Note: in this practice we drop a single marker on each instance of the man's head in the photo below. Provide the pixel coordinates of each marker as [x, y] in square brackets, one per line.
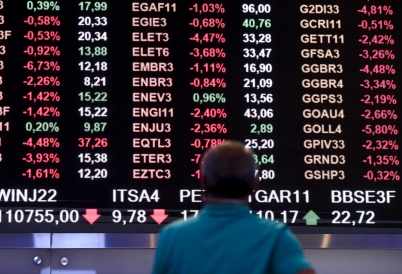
[228, 171]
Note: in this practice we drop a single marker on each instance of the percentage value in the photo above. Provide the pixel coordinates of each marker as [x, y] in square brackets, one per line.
[42, 142]
[43, 21]
[372, 10]
[43, 5]
[43, 96]
[209, 68]
[208, 38]
[383, 99]
[382, 175]
[381, 145]
[43, 36]
[377, 40]
[378, 84]
[206, 143]
[42, 127]
[52, 158]
[208, 83]
[382, 160]
[380, 114]
[208, 23]
[42, 65]
[40, 173]
[209, 113]
[208, 53]
[377, 54]
[209, 128]
[376, 24]
[380, 129]
[379, 69]
[209, 98]
[43, 51]
[43, 112]
[42, 81]
[208, 8]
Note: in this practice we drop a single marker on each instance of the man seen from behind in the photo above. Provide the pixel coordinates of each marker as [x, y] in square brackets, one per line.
[225, 238]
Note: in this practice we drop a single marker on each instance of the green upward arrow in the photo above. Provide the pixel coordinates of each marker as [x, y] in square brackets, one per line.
[311, 218]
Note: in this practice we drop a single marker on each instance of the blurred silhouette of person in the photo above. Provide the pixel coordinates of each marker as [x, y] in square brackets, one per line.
[225, 238]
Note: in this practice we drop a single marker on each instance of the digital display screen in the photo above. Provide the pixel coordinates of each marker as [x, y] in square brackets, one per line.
[107, 106]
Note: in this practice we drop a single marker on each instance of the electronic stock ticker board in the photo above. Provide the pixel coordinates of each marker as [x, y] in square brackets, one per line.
[107, 106]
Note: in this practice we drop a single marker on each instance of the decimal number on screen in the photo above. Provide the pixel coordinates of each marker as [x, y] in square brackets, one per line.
[287, 216]
[256, 9]
[257, 39]
[135, 216]
[40, 216]
[261, 98]
[92, 22]
[92, 174]
[92, 142]
[259, 144]
[93, 112]
[257, 83]
[92, 97]
[257, 53]
[359, 217]
[95, 158]
[92, 67]
[265, 174]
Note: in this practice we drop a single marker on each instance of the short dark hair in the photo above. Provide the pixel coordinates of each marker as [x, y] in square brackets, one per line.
[229, 170]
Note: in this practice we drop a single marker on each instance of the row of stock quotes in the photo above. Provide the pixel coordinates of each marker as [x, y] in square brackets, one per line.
[107, 106]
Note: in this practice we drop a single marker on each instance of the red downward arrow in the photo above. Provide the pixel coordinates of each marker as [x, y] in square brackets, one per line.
[91, 215]
[159, 215]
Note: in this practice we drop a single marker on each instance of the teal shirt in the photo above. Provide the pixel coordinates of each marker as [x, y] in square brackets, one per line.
[227, 239]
